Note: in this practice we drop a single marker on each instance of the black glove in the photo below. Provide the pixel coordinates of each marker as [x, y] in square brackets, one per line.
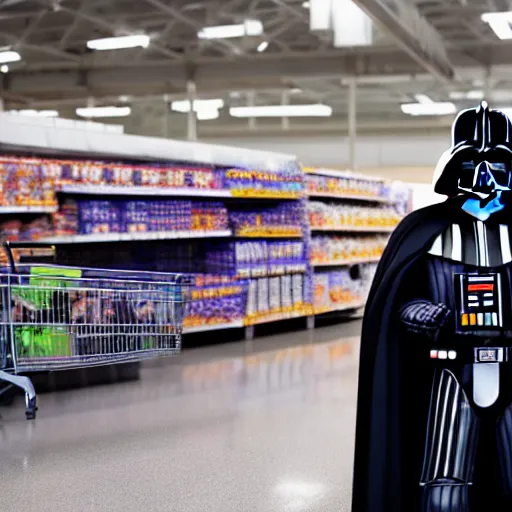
[422, 317]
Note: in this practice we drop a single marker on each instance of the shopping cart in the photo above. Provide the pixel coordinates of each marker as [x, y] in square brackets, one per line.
[56, 317]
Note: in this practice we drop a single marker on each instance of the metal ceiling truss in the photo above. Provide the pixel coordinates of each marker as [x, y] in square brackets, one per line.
[426, 39]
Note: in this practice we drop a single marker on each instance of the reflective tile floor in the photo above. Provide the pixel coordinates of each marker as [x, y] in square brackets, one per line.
[257, 426]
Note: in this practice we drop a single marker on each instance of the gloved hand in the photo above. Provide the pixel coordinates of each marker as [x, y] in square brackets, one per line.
[424, 318]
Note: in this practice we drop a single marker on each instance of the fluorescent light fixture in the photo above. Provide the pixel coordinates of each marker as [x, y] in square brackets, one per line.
[199, 105]
[262, 46]
[469, 95]
[4, 68]
[306, 5]
[207, 114]
[422, 98]
[90, 112]
[247, 28]
[440, 108]
[34, 113]
[117, 43]
[295, 90]
[124, 98]
[316, 110]
[500, 23]
[9, 56]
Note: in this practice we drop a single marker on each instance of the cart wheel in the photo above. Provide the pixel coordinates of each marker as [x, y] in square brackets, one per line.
[30, 407]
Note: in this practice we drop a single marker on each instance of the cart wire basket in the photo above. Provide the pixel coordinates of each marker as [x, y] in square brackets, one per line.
[56, 317]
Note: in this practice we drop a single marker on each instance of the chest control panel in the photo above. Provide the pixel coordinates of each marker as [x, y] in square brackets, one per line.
[479, 303]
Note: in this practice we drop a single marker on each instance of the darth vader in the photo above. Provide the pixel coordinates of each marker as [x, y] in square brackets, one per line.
[434, 422]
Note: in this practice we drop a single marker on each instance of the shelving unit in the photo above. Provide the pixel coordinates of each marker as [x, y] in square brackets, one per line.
[100, 144]
[336, 287]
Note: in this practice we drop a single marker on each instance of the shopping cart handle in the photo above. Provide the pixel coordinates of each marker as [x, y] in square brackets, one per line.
[9, 246]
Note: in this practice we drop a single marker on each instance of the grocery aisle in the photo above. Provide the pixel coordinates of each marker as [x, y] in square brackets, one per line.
[255, 426]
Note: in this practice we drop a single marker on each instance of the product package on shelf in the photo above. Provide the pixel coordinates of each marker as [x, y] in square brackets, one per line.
[140, 175]
[338, 216]
[347, 185]
[215, 300]
[256, 258]
[286, 184]
[283, 220]
[276, 298]
[27, 182]
[346, 249]
[338, 290]
[85, 216]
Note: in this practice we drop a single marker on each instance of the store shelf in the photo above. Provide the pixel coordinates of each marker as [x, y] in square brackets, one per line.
[333, 173]
[268, 235]
[275, 318]
[27, 209]
[355, 229]
[344, 263]
[213, 327]
[344, 307]
[355, 197]
[130, 237]
[119, 190]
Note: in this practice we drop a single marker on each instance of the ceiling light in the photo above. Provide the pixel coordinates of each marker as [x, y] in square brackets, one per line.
[124, 98]
[117, 43]
[500, 23]
[295, 90]
[306, 5]
[422, 98]
[207, 114]
[199, 105]
[90, 112]
[247, 28]
[316, 110]
[469, 95]
[262, 46]
[34, 113]
[440, 108]
[9, 56]
[4, 68]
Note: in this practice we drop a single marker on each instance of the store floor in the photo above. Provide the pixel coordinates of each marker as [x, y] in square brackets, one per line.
[261, 426]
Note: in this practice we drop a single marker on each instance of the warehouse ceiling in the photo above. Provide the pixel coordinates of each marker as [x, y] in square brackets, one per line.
[439, 48]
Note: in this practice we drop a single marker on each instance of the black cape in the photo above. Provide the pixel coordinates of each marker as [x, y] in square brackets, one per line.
[391, 408]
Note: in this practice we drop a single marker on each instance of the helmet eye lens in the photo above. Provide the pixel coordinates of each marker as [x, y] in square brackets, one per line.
[467, 175]
[500, 173]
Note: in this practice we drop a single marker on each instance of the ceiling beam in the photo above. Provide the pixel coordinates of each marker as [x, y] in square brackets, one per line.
[413, 33]
[111, 29]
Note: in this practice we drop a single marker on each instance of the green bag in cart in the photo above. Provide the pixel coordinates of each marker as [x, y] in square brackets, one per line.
[46, 340]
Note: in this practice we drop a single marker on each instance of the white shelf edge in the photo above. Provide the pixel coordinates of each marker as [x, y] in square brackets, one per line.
[28, 209]
[341, 197]
[142, 191]
[355, 229]
[216, 327]
[346, 262]
[333, 173]
[345, 307]
[129, 237]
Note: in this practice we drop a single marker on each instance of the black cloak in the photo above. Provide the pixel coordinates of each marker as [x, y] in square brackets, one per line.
[394, 389]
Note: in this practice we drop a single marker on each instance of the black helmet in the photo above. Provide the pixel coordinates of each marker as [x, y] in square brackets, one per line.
[480, 159]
